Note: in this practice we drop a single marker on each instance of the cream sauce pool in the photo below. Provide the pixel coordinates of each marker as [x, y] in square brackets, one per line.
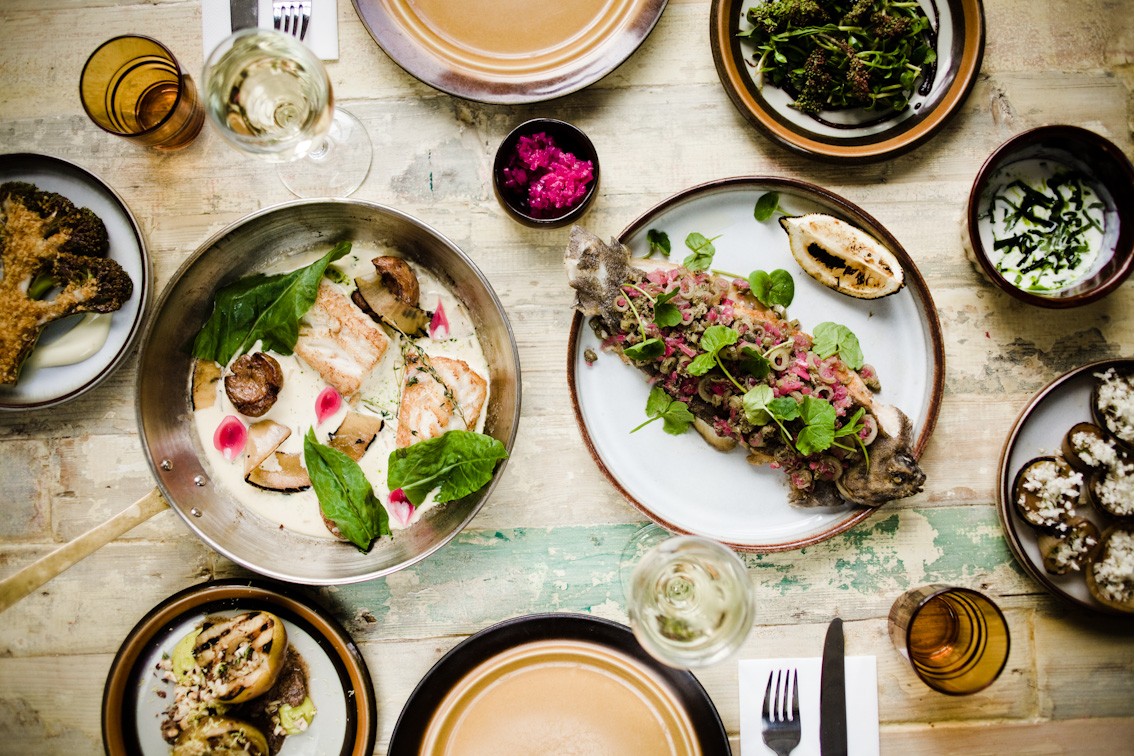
[379, 395]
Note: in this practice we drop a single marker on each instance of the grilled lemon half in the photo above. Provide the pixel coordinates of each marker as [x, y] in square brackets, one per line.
[843, 257]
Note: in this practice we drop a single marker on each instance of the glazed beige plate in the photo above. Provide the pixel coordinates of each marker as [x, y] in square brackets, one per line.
[856, 135]
[509, 51]
[338, 679]
[680, 482]
[1038, 431]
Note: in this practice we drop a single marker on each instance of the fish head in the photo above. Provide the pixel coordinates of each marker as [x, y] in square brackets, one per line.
[892, 472]
[597, 271]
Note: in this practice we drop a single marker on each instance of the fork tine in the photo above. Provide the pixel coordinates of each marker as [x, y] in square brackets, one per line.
[769, 712]
[305, 13]
[794, 695]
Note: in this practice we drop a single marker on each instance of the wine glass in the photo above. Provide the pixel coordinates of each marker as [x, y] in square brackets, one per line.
[690, 600]
[269, 95]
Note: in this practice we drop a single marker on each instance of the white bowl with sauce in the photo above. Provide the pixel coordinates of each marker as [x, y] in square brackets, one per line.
[1068, 167]
[185, 475]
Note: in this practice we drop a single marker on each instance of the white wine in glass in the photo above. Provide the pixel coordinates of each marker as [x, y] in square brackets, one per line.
[689, 599]
[270, 96]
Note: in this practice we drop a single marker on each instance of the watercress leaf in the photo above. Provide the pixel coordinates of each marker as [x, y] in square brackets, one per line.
[459, 462]
[650, 349]
[852, 425]
[850, 351]
[659, 242]
[260, 307]
[345, 495]
[701, 364]
[813, 410]
[666, 315]
[703, 251]
[717, 337]
[814, 438]
[766, 206]
[781, 289]
[677, 418]
[754, 363]
[755, 403]
[657, 402]
[760, 282]
[829, 338]
[784, 408]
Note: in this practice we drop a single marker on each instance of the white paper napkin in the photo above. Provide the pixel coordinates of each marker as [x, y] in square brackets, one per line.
[862, 704]
[322, 35]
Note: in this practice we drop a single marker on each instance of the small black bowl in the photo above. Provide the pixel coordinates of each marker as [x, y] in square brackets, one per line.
[1111, 175]
[569, 139]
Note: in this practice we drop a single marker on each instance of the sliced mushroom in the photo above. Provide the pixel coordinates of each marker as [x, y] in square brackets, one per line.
[1045, 492]
[1109, 577]
[381, 303]
[254, 384]
[354, 436]
[206, 373]
[1088, 448]
[286, 474]
[1068, 551]
[714, 439]
[264, 438]
[399, 278]
[1106, 490]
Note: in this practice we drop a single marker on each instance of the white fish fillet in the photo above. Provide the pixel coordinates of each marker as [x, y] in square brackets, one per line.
[438, 394]
[339, 341]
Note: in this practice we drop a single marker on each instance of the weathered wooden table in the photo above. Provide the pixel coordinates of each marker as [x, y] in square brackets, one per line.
[549, 538]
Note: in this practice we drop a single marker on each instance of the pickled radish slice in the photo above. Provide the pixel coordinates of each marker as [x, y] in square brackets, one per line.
[439, 321]
[230, 437]
[400, 507]
[327, 403]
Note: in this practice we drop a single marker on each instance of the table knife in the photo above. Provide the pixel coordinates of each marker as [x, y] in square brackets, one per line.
[243, 14]
[833, 694]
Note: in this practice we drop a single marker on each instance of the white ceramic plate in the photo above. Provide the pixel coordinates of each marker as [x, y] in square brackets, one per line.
[679, 481]
[1038, 432]
[47, 387]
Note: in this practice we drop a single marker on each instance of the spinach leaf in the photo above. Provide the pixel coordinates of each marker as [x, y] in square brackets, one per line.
[703, 251]
[261, 307]
[345, 495]
[675, 415]
[829, 338]
[766, 206]
[460, 462]
[650, 349]
[713, 340]
[659, 242]
[775, 288]
[666, 314]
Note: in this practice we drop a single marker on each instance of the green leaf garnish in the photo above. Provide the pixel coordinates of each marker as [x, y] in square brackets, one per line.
[775, 288]
[754, 363]
[713, 340]
[829, 338]
[766, 206]
[756, 402]
[703, 252]
[264, 308]
[459, 462]
[650, 349]
[659, 242]
[818, 426]
[675, 415]
[665, 314]
[345, 495]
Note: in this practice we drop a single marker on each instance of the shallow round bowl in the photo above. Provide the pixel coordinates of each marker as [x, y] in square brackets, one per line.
[1106, 170]
[163, 398]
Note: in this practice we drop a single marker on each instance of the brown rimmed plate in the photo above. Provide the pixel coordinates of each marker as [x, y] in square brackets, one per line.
[852, 136]
[1038, 431]
[42, 387]
[338, 680]
[680, 482]
[509, 51]
[549, 683]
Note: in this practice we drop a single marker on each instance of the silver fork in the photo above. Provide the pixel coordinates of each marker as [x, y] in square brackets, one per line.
[292, 16]
[781, 728]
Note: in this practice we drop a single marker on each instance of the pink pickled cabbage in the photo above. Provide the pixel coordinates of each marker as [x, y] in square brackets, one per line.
[547, 180]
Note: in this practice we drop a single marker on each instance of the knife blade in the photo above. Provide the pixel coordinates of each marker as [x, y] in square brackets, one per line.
[243, 14]
[833, 694]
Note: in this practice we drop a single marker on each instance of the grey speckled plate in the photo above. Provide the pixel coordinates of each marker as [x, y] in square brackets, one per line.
[47, 387]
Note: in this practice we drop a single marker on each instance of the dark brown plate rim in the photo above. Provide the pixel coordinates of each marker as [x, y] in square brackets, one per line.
[1007, 516]
[969, 32]
[415, 716]
[557, 82]
[914, 280]
[119, 730]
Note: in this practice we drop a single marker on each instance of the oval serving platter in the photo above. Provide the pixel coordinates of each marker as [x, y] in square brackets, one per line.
[549, 683]
[1038, 431]
[857, 135]
[680, 482]
[509, 52]
[41, 387]
[338, 680]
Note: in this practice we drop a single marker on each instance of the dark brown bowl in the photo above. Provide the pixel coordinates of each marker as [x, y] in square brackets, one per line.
[1106, 167]
[569, 139]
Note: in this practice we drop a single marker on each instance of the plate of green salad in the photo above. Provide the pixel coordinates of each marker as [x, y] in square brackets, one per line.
[848, 81]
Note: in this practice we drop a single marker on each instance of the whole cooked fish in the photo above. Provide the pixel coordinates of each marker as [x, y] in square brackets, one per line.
[619, 293]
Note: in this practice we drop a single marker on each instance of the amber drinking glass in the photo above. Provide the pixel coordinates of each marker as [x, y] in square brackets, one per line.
[955, 638]
[133, 87]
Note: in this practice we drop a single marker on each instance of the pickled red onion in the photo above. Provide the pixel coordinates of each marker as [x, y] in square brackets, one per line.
[327, 403]
[439, 321]
[230, 437]
[400, 507]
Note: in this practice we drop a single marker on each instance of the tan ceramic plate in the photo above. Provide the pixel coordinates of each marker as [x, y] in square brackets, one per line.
[546, 685]
[1038, 432]
[509, 51]
[682, 483]
[852, 136]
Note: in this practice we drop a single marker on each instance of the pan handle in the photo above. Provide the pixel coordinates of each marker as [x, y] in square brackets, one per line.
[15, 587]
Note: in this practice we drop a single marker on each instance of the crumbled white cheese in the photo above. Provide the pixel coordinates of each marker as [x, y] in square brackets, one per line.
[1070, 551]
[1055, 492]
[1116, 403]
[1114, 573]
[1115, 491]
[1094, 450]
